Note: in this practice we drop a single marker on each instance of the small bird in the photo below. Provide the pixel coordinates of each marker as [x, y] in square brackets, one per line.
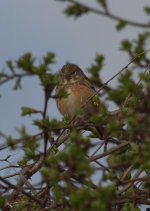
[79, 100]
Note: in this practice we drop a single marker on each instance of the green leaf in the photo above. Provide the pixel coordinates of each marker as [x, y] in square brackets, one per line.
[49, 58]
[9, 64]
[26, 62]
[147, 10]
[121, 25]
[62, 93]
[76, 10]
[28, 111]
[50, 124]
[17, 84]
[102, 3]
[95, 68]
[130, 207]
[94, 200]
[46, 80]
[22, 162]
[11, 142]
[126, 45]
[2, 202]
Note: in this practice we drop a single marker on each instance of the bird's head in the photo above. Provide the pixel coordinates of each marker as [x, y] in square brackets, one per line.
[70, 73]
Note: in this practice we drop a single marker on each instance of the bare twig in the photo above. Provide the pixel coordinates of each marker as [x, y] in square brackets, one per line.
[22, 191]
[108, 14]
[13, 76]
[99, 147]
[111, 150]
[10, 166]
[11, 175]
[137, 174]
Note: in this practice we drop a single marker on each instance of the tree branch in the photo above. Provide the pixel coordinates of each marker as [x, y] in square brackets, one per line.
[13, 76]
[110, 15]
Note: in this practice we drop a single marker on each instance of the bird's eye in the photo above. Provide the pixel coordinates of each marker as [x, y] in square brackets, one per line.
[74, 72]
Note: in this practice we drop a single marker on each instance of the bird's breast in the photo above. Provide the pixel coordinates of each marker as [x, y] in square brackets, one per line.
[77, 97]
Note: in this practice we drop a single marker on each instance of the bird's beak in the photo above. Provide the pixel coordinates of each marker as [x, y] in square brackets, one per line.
[67, 76]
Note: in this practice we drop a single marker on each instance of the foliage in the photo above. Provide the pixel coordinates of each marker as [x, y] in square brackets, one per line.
[78, 171]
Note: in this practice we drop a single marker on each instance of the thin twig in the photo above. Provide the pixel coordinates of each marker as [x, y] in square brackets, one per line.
[11, 77]
[99, 147]
[111, 150]
[10, 166]
[137, 174]
[22, 191]
[110, 15]
[11, 175]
